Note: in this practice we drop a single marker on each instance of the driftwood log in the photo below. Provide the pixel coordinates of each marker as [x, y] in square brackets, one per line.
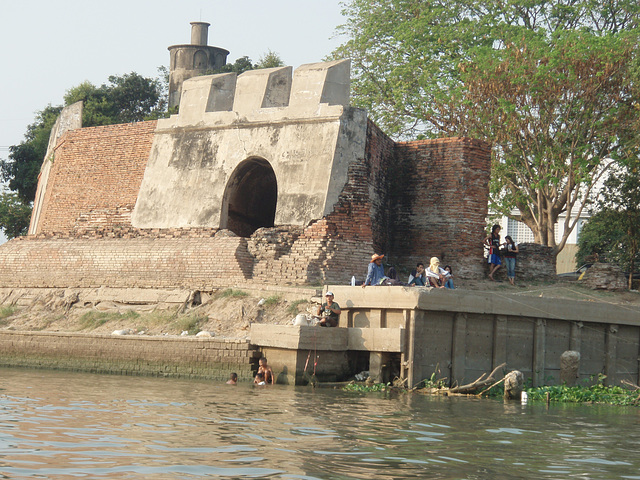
[481, 382]
[634, 388]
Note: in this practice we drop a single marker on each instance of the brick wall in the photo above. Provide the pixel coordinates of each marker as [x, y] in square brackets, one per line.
[95, 177]
[409, 201]
[439, 192]
[130, 355]
[198, 263]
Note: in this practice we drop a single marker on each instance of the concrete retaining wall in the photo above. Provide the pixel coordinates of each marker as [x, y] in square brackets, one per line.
[463, 334]
[207, 358]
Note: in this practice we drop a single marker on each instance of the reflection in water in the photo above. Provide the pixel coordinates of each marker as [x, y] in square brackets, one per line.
[62, 425]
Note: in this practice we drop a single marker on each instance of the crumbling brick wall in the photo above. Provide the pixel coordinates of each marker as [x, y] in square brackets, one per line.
[408, 201]
[439, 194]
[95, 177]
[158, 260]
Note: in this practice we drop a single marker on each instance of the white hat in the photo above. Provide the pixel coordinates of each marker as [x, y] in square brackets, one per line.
[328, 293]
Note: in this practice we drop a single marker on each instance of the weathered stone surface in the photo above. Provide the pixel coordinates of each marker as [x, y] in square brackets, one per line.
[569, 367]
[513, 382]
[605, 276]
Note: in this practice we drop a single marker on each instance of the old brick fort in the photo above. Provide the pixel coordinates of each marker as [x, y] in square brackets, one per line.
[268, 176]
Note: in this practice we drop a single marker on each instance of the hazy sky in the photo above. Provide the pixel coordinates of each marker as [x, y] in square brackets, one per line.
[48, 47]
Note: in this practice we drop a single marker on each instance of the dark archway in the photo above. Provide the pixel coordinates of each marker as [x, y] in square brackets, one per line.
[250, 198]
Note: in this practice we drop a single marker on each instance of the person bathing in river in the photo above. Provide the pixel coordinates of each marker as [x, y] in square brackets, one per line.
[266, 371]
[493, 242]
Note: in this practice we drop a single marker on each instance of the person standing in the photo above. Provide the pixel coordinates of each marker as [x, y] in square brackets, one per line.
[493, 242]
[510, 253]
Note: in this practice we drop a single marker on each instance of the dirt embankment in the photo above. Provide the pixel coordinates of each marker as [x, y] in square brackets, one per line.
[228, 313]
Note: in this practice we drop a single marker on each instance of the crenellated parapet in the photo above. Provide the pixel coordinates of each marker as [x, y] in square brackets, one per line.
[267, 147]
[315, 89]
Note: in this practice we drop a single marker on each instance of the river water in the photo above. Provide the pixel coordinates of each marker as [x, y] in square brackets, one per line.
[61, 425]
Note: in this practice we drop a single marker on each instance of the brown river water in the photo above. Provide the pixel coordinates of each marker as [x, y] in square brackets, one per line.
[60, 425]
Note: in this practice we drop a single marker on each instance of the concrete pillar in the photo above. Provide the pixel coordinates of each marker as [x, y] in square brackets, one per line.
[611, 354]
[539, 335]
[459, 348]
[379, 367]
[569, 367]
[576, 336]
[199, 33]
[499, 340]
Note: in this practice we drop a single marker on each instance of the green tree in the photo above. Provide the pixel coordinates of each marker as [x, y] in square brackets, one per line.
[22, 167]
[14, 215]
[614, 232]
[240, 66]
[126, 98]
[551, 84]
[269, 60]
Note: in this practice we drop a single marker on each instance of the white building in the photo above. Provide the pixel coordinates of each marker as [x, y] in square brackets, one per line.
[565, 261]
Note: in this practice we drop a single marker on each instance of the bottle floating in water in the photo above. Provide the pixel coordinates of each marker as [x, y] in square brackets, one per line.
[524, 398]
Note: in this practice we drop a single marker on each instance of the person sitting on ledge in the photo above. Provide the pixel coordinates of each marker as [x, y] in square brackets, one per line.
[417, 277]
[436, 274]
[375, 271]
[329, 312]
[448, 278]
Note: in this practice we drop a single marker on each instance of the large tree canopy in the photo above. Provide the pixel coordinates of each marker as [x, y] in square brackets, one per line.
[613, 233]
[126, 98]
[551, 84]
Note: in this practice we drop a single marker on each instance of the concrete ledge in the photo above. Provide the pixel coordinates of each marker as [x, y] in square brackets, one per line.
[376, 339]
[299, 337]
[493, 303]
[330, 339]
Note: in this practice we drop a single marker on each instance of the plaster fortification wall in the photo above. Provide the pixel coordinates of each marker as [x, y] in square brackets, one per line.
[254, 150]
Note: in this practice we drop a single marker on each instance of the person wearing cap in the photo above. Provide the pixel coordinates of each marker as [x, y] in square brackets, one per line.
[329, 312]
[375, 271]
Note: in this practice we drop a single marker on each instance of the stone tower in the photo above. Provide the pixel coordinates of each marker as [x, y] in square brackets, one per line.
[188, 61]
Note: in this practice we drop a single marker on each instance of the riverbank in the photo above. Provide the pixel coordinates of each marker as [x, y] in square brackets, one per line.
[229, 313]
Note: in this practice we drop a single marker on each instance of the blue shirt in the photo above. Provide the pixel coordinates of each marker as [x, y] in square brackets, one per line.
[375, 273]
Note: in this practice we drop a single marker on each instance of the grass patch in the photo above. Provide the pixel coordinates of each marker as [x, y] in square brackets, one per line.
[293, 308]
[272, 300]
[93, 320]
[7, 312]
[190, 323]
[231, 293]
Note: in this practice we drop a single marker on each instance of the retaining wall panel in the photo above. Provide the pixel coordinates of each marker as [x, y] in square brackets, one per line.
[479, 346]
[520, 345]
[592, 351]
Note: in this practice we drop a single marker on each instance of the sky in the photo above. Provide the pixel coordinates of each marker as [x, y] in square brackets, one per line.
[49, 47]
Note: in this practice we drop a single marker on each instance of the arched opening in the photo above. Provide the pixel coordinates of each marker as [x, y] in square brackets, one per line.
[200, 60]
[250, 198]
